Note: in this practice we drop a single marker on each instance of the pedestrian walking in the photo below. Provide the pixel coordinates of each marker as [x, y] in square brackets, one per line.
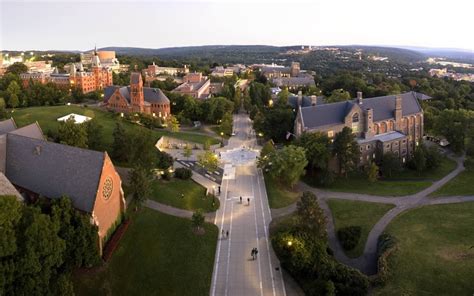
[223, 232]
[227, 233]
[256, 252]
[253, 254]
[241, 199]
[248, 201]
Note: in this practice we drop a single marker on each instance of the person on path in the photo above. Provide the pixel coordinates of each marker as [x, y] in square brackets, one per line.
[227, 233]
[253, 254]
[256, 252]
[223, 232]
[248, 201]
[241, 199]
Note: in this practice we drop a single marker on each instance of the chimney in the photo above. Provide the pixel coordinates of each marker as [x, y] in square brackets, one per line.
[314, 100]
[300, 98]
[359, 97]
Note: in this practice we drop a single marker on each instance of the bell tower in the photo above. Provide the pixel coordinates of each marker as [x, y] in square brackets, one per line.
[137, 99]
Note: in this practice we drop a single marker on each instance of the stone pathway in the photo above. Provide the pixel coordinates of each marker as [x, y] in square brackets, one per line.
[210, 217]
[367, 263]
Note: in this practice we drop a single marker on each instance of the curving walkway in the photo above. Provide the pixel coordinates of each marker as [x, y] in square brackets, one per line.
[367, 263]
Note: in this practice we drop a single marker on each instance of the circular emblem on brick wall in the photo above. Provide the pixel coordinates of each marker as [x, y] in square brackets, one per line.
[108, 188]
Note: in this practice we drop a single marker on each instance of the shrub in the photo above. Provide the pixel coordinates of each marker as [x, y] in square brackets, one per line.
[183, 173]
[349, 236]
[433, 158]
[386, 245]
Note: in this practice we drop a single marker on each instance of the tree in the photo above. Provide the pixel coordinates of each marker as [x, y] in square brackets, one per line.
[310, 215]
[419, 159]
[173, 124]
[283, 97]
[346, 150]
[274, 122]
[13, 92]
[226, 124]
[72, 134]
[94, 134]
[140, 184]
[3, 112]
[17, 68]
[78, 233]
[338, 95]
[267, 149]
[372, 172]
[287, 165]
[317, 148]
[208, 160]
[390, 164]
[141, 149]
[119, 146]
[198, 220]
[454, 125]
[187, 151]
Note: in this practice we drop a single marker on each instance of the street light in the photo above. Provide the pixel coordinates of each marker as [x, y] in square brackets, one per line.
[222, 136]
[290, 243]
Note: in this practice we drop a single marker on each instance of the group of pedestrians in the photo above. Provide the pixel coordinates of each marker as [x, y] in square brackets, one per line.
[254, 253]
[248, 200]
[225, 233]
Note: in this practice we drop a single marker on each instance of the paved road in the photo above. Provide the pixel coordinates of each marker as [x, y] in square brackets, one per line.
[235, 273]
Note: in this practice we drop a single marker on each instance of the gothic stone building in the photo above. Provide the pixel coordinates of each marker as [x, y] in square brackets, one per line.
[136, 98]
[37, 167]
[390, 123]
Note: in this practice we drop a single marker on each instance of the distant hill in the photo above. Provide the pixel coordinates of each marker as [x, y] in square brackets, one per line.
[455, 54]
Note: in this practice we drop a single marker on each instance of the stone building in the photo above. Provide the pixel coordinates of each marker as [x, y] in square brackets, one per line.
[37, 167]
[291, 77]
[381, 124]
[137, 98]
[195, 85]
[96, 79]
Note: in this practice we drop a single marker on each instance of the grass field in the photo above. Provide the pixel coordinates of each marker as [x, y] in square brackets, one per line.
[462, 184]
[159, 255]
[47, 118]
[357, 213]
[169, 193]
[435, 255]
[404, 183]
[278, 195]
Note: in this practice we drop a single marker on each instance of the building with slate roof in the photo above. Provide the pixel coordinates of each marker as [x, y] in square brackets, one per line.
[37, 167]
[195, 85]
[389, 123]
[136, 98]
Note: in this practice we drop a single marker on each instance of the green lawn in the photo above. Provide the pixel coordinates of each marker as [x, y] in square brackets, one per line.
[462, 184]
[47, 118]
[404, 183]
[159, 255]
[169, 192]
[435, 255]
[278, 195]
[357, 213]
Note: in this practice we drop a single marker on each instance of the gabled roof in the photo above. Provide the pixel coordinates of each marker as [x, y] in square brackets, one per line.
[32, 131]
[383, 109]
[151, 95]
[53, 170]
[6, 188]
[7, 126]
[306, 101]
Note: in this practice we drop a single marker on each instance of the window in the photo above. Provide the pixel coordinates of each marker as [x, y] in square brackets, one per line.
[355, 117]
[330, 134]
[368, 147]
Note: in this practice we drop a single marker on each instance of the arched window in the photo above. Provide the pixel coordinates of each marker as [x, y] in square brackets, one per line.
[355, 117]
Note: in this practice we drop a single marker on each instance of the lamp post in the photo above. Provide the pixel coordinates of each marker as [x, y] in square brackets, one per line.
[222, 137]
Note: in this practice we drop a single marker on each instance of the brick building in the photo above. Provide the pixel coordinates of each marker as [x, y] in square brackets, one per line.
[37, 167]
[195, 85]
[381, 124]
[136, 98]
[96, 79]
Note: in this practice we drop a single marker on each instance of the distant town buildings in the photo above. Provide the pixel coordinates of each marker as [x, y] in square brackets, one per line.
[291, 77]
[96, 79]
[391, 123]
[229, 71]
[451, 74]
[38, 168]
[155, 70]
[137, 98]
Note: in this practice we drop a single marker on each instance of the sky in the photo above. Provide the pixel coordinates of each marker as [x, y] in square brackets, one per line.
[73, 25]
